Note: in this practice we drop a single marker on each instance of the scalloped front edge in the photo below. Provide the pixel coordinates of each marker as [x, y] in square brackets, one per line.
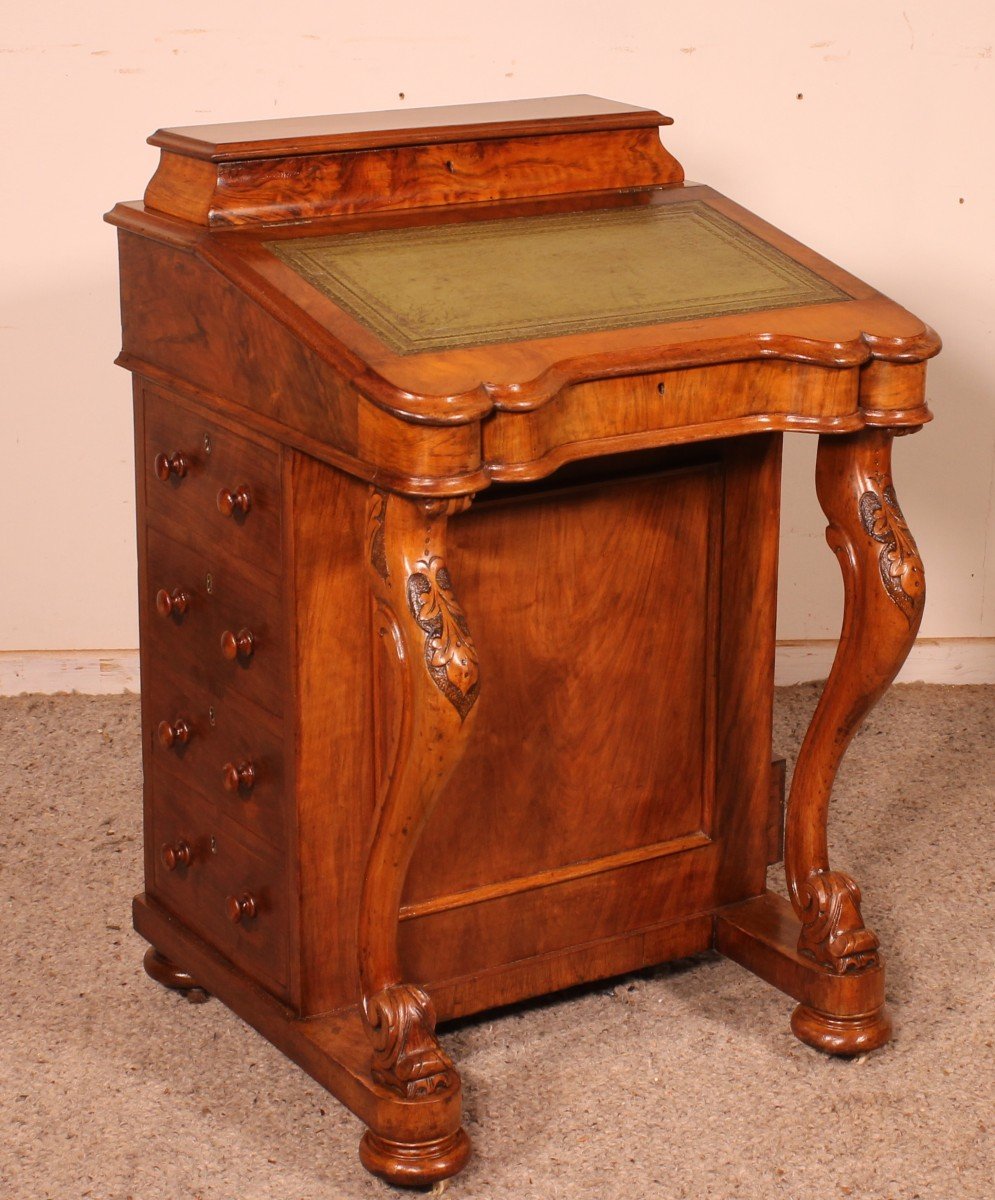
[477, 403]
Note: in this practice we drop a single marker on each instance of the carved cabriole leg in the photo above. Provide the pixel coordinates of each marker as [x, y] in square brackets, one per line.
[884, 591]
[416, 612]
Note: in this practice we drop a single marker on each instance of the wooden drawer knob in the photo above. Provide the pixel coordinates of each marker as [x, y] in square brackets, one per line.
[171, 464]
[231, 502]
[176, 733]
[175, 602]
[180, 855]
[239, 907]
[242, 776]
[238, 645]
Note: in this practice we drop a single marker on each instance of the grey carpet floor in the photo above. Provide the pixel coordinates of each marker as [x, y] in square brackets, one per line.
[680, 1082]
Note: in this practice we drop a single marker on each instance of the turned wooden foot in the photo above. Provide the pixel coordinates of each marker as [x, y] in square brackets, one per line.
[414, 1164]
[844, 1035]
[163, 971]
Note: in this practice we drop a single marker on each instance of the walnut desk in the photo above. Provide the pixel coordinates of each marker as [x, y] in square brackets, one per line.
[458, 438]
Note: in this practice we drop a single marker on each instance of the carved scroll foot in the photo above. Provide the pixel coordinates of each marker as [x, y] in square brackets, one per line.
[833, 932]
[843, 1035]
[168, 974]
[414, 1164]
[884, 593]
[406, 1056]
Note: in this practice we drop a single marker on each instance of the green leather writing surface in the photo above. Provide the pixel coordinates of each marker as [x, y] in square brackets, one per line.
[480, 282]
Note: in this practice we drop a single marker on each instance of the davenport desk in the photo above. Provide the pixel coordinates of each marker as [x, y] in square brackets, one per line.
[458, 452]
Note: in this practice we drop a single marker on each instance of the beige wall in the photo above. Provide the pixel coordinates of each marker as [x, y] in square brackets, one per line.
[864, 128]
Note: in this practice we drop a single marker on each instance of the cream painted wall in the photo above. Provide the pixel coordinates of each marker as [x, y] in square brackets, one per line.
[865, 129]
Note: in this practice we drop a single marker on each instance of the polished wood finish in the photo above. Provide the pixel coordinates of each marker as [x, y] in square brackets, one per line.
[180, 855]
[839, 1014]
[458, 665]
[274, 171]
[168, 974]
[405, 127]
[241, 777]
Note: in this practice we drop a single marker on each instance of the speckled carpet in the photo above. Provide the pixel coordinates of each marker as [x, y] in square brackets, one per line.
[680, 1082]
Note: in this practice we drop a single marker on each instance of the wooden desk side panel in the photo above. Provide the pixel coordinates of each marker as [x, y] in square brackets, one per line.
[750, 543]
[184, 323]
[184, 318]
[332, 697]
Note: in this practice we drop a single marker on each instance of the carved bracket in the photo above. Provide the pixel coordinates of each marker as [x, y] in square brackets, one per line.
[376, 519]
[406, 1056]
[436, 687]
[899, 562]
[833, 932]
[450, 655]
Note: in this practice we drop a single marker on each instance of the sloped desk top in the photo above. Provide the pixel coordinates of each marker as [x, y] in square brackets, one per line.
[470, 273]
[449, 286]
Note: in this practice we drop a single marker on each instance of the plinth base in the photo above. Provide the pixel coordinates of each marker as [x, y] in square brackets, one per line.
[838, 1014]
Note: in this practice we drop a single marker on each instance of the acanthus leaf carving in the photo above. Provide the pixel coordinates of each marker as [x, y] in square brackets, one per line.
[899, 562]
[450, 655]
[376, 532]
[833, 932]
[406, 1056]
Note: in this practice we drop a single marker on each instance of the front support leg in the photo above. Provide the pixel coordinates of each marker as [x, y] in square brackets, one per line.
[425, 631]
[884, 591]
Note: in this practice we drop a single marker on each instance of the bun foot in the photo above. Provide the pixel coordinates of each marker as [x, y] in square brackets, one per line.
[841, 1035]
[162, 970]
[414, 1164]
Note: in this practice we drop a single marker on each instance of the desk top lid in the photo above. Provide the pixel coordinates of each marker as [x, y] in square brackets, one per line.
[307, 168]
[544, 243]
[277, 138]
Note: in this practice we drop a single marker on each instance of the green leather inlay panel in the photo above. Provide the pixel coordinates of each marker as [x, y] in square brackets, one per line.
[509, 280]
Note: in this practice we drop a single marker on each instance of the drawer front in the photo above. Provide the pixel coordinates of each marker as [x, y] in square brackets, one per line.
[222, 882]
[231, 752]
[201, 461]
[215, 625]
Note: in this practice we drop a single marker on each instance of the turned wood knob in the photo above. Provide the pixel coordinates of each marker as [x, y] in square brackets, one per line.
[238, 645]
[180, 855]
[176, 733]
[231, 502]
[171, 464]
[177, 601]
[241, 776]
[237, 907]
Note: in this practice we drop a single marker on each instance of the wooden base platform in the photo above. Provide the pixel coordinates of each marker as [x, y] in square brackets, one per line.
[416, 1142]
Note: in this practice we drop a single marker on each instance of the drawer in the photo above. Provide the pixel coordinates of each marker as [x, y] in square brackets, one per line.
[226, 885]
[213, 624]
[207, 460]
[233, 753]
